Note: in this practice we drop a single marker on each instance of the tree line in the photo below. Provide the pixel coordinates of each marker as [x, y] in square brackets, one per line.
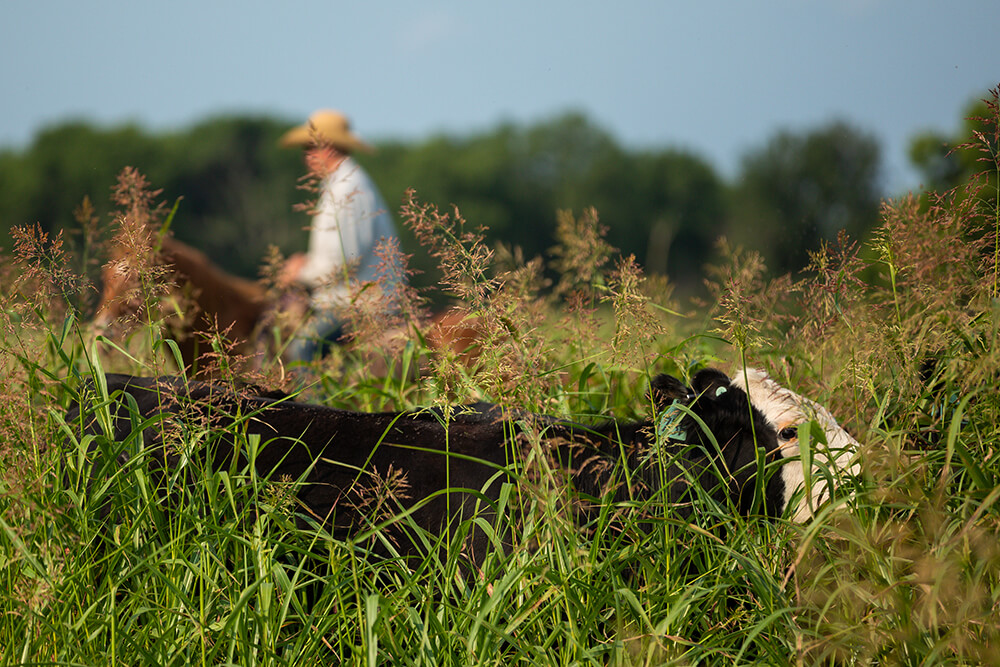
[238, 190]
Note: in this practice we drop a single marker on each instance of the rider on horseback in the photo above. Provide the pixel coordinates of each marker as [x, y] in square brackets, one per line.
[349, 222]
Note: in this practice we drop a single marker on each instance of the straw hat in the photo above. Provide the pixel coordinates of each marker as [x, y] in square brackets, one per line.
[326, 127]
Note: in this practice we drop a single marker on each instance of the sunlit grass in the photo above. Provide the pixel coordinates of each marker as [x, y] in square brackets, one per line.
[106, 559]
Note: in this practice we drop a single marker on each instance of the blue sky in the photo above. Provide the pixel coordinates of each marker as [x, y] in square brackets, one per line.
[718, 78]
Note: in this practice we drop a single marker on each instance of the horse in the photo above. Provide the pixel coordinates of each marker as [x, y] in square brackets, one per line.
[224, 303]
[215, 301]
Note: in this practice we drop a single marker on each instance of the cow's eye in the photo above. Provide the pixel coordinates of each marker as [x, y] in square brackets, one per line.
[788, 433]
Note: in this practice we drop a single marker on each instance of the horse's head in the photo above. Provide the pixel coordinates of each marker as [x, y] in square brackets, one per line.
[121, 297]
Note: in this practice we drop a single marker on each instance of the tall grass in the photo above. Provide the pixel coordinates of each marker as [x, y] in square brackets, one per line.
[133, 564]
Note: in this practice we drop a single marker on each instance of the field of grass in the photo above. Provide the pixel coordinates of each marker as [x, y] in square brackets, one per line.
[897, 335]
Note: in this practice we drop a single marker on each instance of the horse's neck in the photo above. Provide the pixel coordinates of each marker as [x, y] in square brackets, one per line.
[185, 259]
[196, 267]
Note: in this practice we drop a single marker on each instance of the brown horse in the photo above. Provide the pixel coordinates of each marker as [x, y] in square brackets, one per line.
[219, 301]
[237, 307]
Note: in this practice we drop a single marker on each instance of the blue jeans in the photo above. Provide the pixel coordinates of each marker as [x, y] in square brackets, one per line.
[316, 338]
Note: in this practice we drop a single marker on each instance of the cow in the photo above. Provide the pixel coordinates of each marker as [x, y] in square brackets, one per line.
[720, 439]
[785, 411]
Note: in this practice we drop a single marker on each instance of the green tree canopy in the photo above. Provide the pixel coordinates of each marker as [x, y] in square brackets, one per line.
[944, 163]
[47, 182]
[238, 189]
[663, 206]
[804, 187]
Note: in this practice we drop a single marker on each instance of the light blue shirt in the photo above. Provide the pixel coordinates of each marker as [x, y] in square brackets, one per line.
[350, 221]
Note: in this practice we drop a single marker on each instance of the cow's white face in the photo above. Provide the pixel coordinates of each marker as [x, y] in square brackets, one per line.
[785, 411]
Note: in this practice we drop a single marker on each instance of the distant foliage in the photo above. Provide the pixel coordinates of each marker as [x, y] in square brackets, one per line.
[236, 187]
[238, 190]
[941, 166]
[803, 188]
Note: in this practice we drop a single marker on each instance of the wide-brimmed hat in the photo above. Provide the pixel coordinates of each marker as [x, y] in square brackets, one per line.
[326, 126]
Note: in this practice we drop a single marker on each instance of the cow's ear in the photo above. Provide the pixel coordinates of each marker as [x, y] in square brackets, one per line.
[665, 389]
[710, 383]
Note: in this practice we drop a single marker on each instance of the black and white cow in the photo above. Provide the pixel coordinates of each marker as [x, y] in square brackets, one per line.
[785, 411]
[360, 469]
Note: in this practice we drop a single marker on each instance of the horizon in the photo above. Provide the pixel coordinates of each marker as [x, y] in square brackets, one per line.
[717, 79]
